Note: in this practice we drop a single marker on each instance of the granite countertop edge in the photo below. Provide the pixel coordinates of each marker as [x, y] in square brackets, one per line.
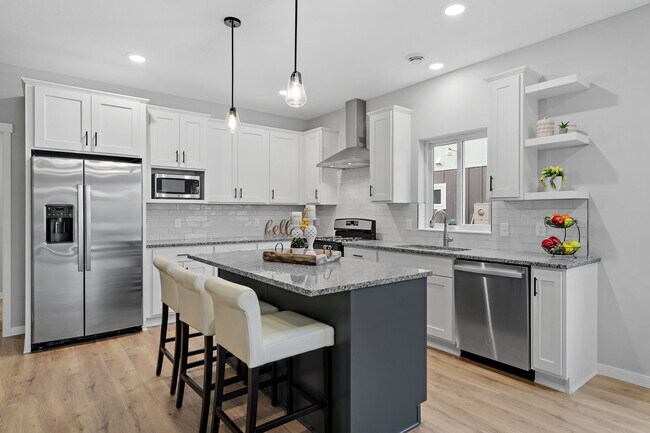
[313, 293]
[493, 256]
[202, 242]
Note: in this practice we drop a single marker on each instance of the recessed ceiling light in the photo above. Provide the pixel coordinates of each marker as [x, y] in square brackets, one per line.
[137, 58]
[283, 92]
[455, 9]
[436, 66]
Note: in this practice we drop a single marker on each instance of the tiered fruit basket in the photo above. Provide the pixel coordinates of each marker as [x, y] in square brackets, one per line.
[553, 245]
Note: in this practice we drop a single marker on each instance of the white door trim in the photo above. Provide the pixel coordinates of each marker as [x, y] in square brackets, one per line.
[6, 130]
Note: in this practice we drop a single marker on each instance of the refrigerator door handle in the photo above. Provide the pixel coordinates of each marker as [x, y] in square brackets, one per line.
[81, 250]
[88, 228]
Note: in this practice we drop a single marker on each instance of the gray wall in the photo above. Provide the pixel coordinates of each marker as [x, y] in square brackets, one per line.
[12, 110]
[615, 55]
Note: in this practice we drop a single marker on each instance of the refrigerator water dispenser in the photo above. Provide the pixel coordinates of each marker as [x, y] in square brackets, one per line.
[59, 223]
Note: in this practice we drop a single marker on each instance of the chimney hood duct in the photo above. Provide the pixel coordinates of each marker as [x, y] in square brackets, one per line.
[356, 154]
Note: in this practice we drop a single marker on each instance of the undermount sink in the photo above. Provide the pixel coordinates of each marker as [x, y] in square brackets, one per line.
[432, 247]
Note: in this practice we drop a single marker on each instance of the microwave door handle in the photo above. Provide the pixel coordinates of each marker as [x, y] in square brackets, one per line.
[88, 226]
[81, 250]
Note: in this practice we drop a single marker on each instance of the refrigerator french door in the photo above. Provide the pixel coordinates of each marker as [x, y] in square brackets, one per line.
[87, 247]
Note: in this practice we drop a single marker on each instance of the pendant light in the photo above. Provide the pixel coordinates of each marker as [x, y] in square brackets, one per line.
[296, 96]
[232, 118]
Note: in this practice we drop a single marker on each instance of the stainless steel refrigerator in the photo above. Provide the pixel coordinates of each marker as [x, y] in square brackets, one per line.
[87, 248]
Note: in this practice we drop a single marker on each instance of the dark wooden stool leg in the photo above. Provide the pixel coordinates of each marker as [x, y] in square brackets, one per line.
[185, 331]
[163, 336]
[218, 388]
[327, 387]
[274, 387]
[177, 355]
[290, 385]
[251, 412]
[207, 382]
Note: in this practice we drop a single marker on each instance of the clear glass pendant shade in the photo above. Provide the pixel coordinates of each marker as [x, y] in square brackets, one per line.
[232, 121]
[296, 95]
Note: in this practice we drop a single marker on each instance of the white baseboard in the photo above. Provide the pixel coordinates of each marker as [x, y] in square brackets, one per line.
[624, 375]
[17, 330]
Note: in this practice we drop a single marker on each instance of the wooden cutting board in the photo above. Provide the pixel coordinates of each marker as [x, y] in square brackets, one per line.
[302, 259]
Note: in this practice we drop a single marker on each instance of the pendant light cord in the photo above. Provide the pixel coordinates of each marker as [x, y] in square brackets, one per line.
[295, 40]
[232, 64]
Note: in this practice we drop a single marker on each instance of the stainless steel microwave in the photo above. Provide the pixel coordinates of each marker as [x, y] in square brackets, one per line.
[181, 186]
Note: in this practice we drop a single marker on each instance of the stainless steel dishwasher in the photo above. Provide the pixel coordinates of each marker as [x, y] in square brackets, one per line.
[493, 311]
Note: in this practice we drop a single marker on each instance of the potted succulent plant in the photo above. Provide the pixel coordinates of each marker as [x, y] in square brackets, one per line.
[298, 245]
[564, 127]
[552, 178]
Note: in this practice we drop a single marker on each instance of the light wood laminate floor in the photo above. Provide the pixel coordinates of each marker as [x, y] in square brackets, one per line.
[110, 386]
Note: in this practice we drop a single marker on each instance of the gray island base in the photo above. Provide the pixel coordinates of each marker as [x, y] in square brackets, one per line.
[379, 316]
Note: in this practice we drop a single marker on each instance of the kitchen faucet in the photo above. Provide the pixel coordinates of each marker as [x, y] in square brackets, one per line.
[445, 239]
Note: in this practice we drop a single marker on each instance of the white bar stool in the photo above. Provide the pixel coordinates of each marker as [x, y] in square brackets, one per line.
[258, 340]
[197, 311]
[169, 298]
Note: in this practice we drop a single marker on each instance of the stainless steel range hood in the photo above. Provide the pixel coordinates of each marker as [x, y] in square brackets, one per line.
[356, 154]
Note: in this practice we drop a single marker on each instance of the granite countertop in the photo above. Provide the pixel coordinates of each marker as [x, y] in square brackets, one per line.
[494, 256]
[216, 241]
[341, 276]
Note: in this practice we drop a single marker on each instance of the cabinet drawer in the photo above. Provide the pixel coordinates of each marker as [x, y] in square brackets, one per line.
[361, 253]
[441, 266]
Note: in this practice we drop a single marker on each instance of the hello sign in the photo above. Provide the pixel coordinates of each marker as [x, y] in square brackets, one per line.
[281, 229]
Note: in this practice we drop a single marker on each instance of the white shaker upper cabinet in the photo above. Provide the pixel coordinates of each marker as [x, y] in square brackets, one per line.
[512, 169]
[252, 162]
[61, 118]
[193, 139]
[164, 136]
[319, 185]
[284, 167]
[389, 135]
[116, 125]
[220, 174]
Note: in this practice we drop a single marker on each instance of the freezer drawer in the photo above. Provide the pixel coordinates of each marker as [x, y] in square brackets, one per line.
[493, 311]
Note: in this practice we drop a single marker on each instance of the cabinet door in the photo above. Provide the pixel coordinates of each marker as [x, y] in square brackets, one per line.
[193, 131]
[164, 138]
[284, 167]
[61, 119]
[220, 172]
[311, 173]
[115, 125]
[440, 307]
[504, 137]
[547, 325]
[380, 130]
[252, 155]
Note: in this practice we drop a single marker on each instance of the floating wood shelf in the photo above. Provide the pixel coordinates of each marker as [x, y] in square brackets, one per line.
[558, 141]
[557, 87]
[557, 195]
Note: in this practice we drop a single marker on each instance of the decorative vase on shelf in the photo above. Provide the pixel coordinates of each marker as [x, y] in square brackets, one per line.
[557, 182]
[545, 127]
[310, 235]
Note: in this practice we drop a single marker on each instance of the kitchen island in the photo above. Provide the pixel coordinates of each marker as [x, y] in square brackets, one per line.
[378, 313]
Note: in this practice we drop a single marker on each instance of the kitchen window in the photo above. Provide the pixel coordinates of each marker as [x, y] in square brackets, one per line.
[457, 183]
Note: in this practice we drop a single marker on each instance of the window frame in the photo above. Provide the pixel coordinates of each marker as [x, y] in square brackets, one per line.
[425, 216]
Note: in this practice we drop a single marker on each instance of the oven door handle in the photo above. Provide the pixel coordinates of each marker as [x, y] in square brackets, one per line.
[497, 272]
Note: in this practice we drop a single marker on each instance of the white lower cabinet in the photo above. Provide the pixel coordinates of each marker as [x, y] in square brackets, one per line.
[177, 255]
[564, 309]
[440, 290]
[361, 253]
[547, 338]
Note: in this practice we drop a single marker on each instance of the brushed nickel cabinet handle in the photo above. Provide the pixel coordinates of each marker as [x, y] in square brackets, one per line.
[95, 138]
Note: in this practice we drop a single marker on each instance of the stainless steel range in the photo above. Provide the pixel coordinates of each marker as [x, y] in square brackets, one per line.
[347, 229]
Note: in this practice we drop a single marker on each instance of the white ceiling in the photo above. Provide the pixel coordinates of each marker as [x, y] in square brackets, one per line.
[347, 48]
